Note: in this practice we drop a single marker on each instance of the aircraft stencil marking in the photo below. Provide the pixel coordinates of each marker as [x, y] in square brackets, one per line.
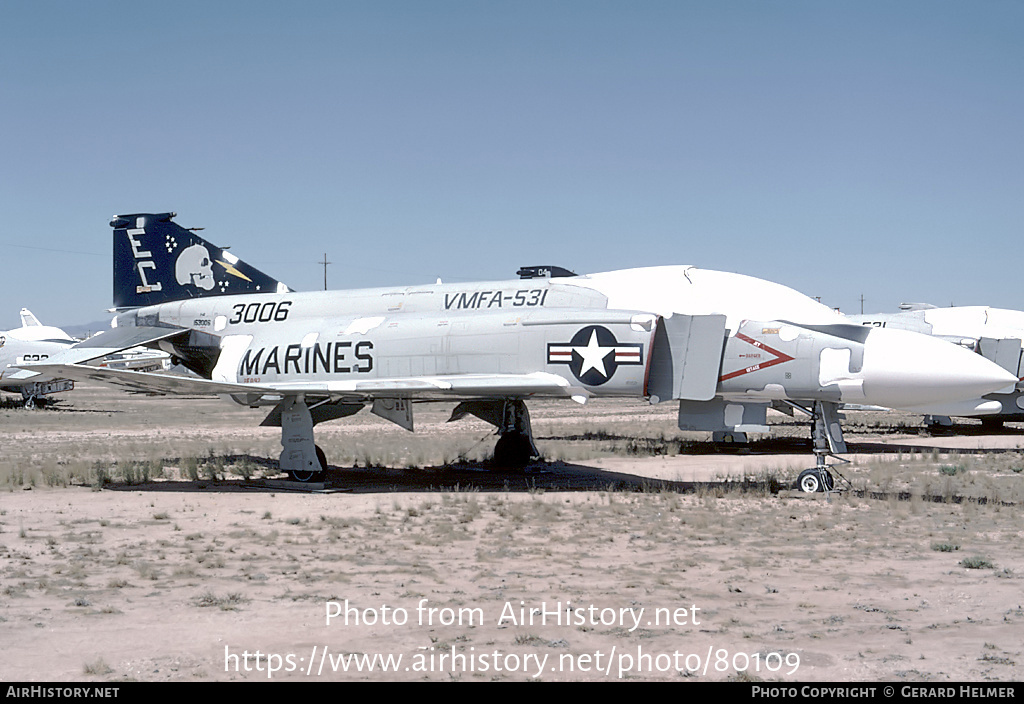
[495, 299]
[594, 354]
[780, 357]
[144, 260]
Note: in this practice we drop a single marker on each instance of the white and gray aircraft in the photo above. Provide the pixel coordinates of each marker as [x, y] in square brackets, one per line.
[994, 333]
[723, 346]
[32, 342]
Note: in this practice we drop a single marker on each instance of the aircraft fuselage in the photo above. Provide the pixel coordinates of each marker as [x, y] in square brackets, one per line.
[564, 328]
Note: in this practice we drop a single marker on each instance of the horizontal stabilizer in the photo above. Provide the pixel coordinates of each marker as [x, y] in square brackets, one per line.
[110, 342]
[146, 382]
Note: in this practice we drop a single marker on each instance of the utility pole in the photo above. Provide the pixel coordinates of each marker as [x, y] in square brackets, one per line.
[861, 301]
[325, 263]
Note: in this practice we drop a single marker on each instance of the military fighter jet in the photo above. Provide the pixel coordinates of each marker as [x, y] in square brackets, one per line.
[32, 342]
[994, 333]
[724, 346]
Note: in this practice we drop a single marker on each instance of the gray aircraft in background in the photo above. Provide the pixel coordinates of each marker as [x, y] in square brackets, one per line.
[32, 342]
[723, 346]
[993, 333]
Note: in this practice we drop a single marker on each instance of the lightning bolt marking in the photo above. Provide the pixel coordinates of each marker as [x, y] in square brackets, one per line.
[233, 271]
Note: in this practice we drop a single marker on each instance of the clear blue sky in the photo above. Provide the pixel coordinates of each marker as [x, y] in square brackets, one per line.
[841, 148]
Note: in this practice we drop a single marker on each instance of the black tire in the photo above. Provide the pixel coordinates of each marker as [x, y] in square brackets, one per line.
[513, 451]
[297, 476]
[991, 424]
[810, 481]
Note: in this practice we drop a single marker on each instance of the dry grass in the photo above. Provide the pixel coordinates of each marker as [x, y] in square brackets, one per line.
[916, 577]
[829, 582]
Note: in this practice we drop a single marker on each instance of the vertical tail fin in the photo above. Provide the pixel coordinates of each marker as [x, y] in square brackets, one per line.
[156, 260]
[28, 319]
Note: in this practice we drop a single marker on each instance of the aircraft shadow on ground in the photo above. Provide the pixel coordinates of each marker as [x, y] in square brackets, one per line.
[480, 477]
[539, 476]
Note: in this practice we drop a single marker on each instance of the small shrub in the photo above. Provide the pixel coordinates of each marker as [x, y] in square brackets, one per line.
[977, 563]
[97, 667]
[190, 467]
[231, 602]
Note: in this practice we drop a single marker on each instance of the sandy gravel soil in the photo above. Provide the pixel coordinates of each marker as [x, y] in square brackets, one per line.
[603, 568]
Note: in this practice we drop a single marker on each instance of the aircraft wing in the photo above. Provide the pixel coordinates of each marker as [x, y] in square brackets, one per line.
[420, 388]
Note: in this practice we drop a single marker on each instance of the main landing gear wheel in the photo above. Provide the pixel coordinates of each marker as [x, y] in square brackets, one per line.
[991, 424]
[297, 476]
[810, 480]
[513, 450]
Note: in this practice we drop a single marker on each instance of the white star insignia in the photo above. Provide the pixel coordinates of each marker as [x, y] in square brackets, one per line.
[593, 355]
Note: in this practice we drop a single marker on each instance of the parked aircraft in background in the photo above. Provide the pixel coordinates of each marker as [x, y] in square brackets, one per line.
[32, 342]
[994, 333]
[723, 346]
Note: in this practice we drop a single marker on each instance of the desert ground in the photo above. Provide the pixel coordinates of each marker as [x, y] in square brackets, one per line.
[151, 539]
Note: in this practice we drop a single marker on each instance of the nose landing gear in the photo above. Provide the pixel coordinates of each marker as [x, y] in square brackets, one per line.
[827, 435]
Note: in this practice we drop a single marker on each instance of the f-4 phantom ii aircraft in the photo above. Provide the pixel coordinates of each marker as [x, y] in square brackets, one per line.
[32, 342]
[724, 346]
[994, 333]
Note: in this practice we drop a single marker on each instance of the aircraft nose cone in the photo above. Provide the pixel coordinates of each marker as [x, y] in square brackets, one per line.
[905, 370]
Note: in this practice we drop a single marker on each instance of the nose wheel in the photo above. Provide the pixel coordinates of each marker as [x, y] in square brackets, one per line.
[827, 438]
[814, 480]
